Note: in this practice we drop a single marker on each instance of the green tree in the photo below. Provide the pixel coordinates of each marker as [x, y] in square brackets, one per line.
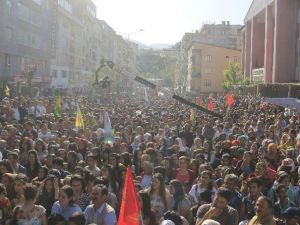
[166, 75]
[152, 64]
[233, 76]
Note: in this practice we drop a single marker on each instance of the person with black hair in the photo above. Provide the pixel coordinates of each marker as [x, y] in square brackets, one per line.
[5, 205]
[48, 193]
[92, 165]
[33, 164]
[13, 159]
[29, 212]
[159, 196]
[5, 167]
[264, 212]
[81, 198]
[56, 219]
[17, 195]
[173, 216]
[117, 167]
[283, 202]
[181, 203]
[112, 199]
[107, 172]
[148, 215]
[100, 212]
[65, 204]
[58, 163]
[219, 209]
[247, 210]
[76, 219]
[231, 182]
[204, 184]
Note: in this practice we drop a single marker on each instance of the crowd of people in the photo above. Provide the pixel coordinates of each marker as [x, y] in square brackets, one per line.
[239, 169]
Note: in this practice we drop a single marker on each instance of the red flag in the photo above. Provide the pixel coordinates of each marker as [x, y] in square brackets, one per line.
[129, 211]
[229, 100]
[199, 101]
[210, 105]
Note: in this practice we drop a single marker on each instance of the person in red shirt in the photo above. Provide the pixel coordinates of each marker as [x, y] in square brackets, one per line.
[184, 174]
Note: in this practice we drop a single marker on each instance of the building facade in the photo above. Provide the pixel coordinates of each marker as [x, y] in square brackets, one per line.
[62, 40]
[73, 44]
[24, 40]
[206, 64]
[107, 37]
[223, 35]
[271, 41]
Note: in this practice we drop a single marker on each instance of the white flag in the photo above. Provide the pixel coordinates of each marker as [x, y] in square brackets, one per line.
[107, 124]
[146, 99]
[108, 131]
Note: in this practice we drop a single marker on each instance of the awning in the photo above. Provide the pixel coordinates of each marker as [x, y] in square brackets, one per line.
[292, 103]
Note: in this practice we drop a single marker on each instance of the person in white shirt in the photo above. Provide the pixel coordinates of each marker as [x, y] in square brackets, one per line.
[15, 112]
[40, 110]
[204, 184]
[45, 134]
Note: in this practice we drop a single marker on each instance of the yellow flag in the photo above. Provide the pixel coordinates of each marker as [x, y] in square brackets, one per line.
[79, 119]
[192, 115]
[7, 91]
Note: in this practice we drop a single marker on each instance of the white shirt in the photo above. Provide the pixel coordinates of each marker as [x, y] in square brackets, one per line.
[16, 114]
[40, 110]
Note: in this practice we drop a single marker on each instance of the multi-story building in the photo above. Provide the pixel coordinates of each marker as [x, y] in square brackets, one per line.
[107, 37]
[271, 50]
[206, 64]
[63, 39]
[24, 39]
[73, 42]
[223, 35]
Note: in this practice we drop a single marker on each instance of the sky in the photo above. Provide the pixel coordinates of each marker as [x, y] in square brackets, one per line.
[166, 21]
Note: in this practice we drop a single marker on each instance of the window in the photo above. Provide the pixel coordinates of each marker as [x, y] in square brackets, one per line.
[54, 73]
[35, 41]
[8, 6]
[207, 83]
[91, 10]
[39, 2]
[9, 34]
[23, 12]
[193, 59]
[207, 70]
[8, 61]
[28, 39]
[35, 18]
[64, 74]
[207, 58]
[65, 5]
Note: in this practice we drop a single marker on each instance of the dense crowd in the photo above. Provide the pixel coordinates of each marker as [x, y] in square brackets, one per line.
[240, 169]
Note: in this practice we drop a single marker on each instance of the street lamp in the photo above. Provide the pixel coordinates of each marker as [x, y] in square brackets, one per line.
[128, 35]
